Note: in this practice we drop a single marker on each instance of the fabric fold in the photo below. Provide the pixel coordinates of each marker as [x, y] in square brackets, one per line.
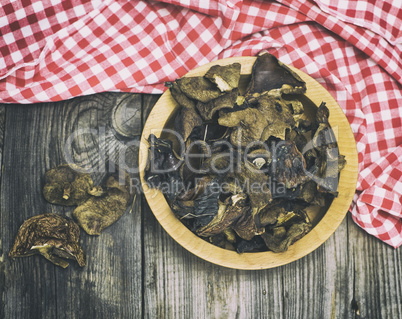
[381, 17]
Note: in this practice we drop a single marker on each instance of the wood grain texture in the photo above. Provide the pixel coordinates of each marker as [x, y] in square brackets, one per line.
[160, 118]
[377, 276]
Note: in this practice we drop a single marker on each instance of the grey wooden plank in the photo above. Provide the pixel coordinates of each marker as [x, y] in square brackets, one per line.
[37, 138]
[2, 124]
[377, 276]
[20, 198]
[320, 285]
[2, 273]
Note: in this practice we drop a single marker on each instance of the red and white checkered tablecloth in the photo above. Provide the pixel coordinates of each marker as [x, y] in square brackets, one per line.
[52, 50]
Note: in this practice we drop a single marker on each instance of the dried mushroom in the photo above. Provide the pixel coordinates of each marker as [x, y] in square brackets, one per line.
[278, 114]
[206, 205]
[207, 110]
[269, 73]
[54, 237]
[97, 213]
[297, 138]
[221, 241]
[225, 77]
[288, 165]
[246, 226]
[181, 99]
[218, 163]
[186, 121]
[227, 215]
[328, 162]
[261, 162]
[188, 118]
[198, 88]
[279, 239]
[66, 185]
[256, 184]
[248, 124]
[270, 214]
[254, 245]
[162, 164]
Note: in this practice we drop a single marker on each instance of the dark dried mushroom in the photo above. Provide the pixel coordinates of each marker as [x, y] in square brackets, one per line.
[210, 132]
[255, 244]
[66, 185]
[231, 185]
[288, 165]
[279, 239]
[291, 216]
[328, 162]
[296, 107]
[97, 213]
[246, 226]
[269, 73]
[230, 235]
[322, 114]
[186, 121]
[304, 125]
[311, 157]
[162, 163]
[279, 191]
[226, 101]
[221, 241]
[187, 118]
[297, 138]
[206, 205]
[225, 77]
[272, 117]
[218, 163]
[308, 191]
[269, 215]
[227, 215]
[182, 209]
[192, 193]
[52, 236]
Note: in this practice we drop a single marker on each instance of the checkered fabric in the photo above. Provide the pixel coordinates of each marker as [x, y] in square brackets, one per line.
[53, 50]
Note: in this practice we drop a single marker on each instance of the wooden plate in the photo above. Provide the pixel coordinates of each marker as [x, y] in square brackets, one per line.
[325, 223]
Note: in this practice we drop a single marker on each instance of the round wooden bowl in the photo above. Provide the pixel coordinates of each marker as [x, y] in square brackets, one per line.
[325, 222]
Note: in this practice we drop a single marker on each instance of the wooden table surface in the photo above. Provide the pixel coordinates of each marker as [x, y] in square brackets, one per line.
[134, 269]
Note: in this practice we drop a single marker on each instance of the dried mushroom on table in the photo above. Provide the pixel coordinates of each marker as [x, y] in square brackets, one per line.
[66, 185]
[52, 236]
[98, 206]
[99, 212]
[261, 164]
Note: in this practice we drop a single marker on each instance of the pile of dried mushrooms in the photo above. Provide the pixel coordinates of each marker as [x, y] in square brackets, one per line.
[56, 237]
[251, 162]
